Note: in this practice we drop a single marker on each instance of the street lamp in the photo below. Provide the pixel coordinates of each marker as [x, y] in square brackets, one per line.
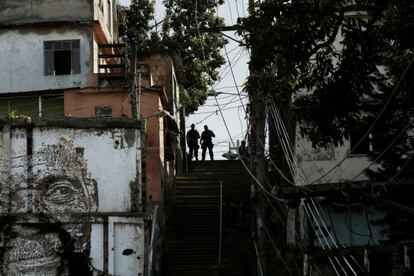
[215, 93]
[158, 114]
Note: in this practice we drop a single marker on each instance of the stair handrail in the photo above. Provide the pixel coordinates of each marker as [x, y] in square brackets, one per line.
[221, 223]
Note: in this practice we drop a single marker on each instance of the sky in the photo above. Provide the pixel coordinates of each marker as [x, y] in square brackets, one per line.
[231, 105]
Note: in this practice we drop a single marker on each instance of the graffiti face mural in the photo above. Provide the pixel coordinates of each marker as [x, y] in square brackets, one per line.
[32, 253]
[62, 183]
[62, 192]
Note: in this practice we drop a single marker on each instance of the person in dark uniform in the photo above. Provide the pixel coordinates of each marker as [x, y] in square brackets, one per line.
[192, 142]
[206, 142]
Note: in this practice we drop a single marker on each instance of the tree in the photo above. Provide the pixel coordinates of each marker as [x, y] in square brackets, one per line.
[341, 63]
[200, 51]
[135, 25]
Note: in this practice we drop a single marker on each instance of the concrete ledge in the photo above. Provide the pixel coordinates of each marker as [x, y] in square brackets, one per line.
[64, 218]
[76, 123]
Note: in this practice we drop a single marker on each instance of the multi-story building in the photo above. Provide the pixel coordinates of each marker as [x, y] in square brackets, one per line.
[48, 47]
[65, 59]
[70, 193]
[342, 218]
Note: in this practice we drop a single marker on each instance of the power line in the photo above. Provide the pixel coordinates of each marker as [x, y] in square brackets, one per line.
[215, 111]
[237, 8]
[224, 121]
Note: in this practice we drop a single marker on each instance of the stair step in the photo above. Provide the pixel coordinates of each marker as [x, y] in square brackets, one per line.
[190, 244]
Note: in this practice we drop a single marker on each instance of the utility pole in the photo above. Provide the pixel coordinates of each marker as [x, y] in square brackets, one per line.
[258, 121]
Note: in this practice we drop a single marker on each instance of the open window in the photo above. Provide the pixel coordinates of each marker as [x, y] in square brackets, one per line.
[62, 57]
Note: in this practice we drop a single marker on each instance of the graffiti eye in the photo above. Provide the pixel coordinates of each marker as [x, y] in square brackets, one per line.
[61, 192]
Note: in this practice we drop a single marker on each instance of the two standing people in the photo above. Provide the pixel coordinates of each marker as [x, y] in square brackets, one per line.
[205, 141]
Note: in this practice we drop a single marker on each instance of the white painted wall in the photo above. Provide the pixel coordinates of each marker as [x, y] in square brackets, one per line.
[124, 234]
[103, 16]
[109, 160]
[22, 60]
[316, 162]
[97, 246]
[111, 157]
[18, 12]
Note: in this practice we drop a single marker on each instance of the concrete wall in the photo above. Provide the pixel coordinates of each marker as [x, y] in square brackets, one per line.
[154, 151]
[163, 74]
[318, 161]
[82, 104]
[71, 191]
[22, 59]
[354, 226]
[18, 12]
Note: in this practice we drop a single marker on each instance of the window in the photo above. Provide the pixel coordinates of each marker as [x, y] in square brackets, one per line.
[358, 146]
[103, 111]
[62, 57]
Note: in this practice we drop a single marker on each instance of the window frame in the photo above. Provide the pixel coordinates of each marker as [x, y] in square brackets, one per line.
[103, 109]
[52, 46]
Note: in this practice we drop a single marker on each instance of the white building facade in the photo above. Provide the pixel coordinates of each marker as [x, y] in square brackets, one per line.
[71, 197]
[53, 45]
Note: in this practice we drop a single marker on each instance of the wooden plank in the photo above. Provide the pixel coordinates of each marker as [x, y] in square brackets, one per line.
[111, 45]
[111, 55]
[111, 65]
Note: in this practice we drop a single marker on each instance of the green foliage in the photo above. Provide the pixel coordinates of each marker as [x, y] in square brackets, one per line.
[339, 65]
[180, 32]
[14, 115]
[135, 25]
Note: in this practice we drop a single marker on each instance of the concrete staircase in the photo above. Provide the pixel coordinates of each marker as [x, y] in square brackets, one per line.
[191, 241]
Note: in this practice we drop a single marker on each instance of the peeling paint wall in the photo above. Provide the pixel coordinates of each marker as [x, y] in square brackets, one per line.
[70, 201]
[36, 11]
[110, 157]
[22, 59]
[316, 162]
